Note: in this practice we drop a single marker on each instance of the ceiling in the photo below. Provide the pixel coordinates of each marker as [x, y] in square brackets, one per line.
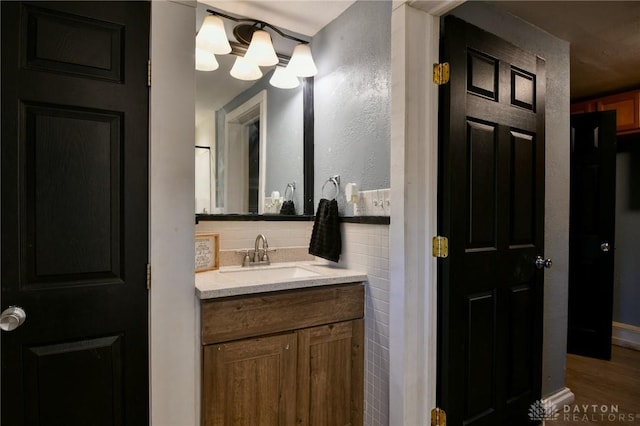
[604, 35]
[305, 17]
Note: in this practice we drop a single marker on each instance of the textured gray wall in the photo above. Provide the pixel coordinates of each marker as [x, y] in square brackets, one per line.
[284, 137]
[353, 99]
[556, 54]
[626, 295]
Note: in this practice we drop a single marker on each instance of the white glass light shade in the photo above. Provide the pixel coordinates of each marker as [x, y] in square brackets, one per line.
[301, 63]
[261, 49]
[244, 69]
[283, 78]
[205, 61]
[212, 36]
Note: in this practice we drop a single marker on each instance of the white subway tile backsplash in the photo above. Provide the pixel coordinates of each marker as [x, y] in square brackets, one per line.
[366, 247]
[376, 202]
[236, 235]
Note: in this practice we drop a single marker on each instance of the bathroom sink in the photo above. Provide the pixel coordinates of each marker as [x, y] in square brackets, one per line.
[268, 273]
[238, 280]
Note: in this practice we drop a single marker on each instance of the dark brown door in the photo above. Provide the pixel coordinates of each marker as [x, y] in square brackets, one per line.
[491, 192]
[592, 233]
[74, 212]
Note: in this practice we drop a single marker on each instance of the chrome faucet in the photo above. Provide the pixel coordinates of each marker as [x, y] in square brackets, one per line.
[260, 256]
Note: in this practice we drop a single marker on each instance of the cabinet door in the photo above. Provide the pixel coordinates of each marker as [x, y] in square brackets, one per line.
[582, 107]
[627, 108]
[330, 375]
[250, 382]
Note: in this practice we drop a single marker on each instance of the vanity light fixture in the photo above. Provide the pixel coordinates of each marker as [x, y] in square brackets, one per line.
[245, 69]
[254, 49]
[261, 51]
[301, 63]
[212, 36]
[205, 61]
[283, 78]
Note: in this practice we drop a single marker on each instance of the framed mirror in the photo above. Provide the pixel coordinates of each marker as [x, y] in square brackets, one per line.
[254, 141]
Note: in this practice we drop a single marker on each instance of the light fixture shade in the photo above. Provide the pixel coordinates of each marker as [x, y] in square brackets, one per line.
[244, 69]
[205, 61]
[261, 49]
[212, 37]
[283, 78]
[301, 63]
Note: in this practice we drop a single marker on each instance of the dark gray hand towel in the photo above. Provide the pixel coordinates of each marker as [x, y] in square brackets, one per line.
[326, 241]
[288, 208]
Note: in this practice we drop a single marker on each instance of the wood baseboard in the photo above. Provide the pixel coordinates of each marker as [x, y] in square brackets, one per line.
[626, 335]
[559, 398]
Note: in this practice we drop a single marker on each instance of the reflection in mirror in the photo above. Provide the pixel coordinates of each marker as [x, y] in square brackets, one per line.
[249, 140]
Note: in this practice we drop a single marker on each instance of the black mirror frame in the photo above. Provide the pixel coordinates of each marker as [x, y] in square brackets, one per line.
[308, 118]
[308, 141]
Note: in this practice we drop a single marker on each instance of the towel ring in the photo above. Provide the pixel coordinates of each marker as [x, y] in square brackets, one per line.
[335, 180]
[292, 187]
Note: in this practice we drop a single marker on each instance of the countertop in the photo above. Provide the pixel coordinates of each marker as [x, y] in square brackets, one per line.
[229, 281]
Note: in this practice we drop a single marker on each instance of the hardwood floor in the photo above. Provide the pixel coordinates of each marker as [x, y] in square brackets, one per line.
[600, 387]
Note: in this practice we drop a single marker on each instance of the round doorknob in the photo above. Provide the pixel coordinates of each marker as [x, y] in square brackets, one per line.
[543, 263]
[12, 318]
[605, 247]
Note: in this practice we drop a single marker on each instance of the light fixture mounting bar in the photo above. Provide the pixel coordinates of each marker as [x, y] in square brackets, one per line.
[257, 22]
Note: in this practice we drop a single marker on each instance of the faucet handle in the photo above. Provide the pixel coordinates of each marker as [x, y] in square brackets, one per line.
[265, 256]
[246, 260]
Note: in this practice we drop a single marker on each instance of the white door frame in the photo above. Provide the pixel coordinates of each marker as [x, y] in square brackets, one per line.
[236, 122]
[414, 189]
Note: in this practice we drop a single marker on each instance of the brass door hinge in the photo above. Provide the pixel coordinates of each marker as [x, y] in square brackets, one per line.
[440, 246]
[149, 72]
[148, 276]
[441, 73]
[438, 417]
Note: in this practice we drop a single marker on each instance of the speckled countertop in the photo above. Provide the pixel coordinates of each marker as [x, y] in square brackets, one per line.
[236, 280]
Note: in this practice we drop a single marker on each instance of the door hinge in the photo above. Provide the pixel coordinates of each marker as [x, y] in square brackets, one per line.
[149, 72]
[148, 276]
[440, 246]
[441, 73]
[438, 417]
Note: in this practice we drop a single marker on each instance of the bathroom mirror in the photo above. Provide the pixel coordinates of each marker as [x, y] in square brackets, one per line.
[254, 141]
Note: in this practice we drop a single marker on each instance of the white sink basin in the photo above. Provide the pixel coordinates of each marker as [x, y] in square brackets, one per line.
[268, 273]
[237, 280]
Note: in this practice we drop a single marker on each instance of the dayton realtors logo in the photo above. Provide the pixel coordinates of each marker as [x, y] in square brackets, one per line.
[597, 413]
[580, 413]
[541, 411]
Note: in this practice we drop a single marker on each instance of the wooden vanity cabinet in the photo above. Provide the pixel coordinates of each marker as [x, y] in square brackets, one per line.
[284, 358]
[252, 380]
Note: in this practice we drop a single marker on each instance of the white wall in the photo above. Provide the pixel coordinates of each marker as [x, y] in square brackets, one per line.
[172, 345]
[414, 141]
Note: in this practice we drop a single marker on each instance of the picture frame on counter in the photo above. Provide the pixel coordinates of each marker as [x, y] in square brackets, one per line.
[207, 252]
